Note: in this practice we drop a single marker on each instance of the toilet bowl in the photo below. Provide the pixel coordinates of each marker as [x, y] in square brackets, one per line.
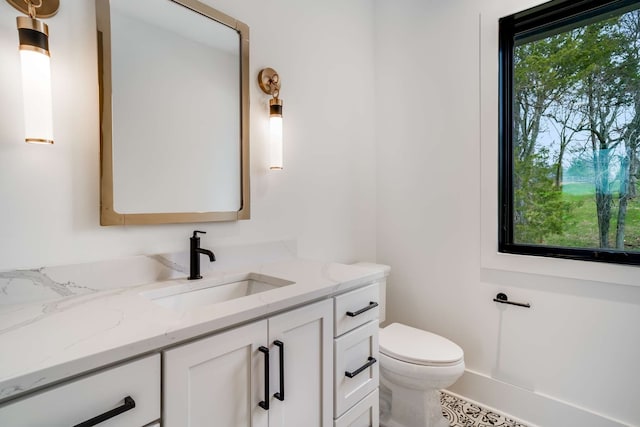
[414, 366]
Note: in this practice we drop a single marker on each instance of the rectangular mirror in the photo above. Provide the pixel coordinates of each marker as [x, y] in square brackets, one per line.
[174, 112]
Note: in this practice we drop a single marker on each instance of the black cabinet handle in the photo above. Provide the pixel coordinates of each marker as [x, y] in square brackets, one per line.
[280, 395]
[370, 361]
[128, 404]
[265, 403]
[362, 310]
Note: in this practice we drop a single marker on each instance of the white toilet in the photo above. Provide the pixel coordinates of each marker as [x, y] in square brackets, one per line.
[414, 366]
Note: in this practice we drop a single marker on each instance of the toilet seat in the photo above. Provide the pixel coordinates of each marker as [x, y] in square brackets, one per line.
[418, 347]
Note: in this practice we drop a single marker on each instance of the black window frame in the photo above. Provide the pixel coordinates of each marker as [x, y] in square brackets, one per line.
[546, 19]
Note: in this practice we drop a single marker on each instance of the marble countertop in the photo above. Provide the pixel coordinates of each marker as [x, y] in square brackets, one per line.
[47, 341]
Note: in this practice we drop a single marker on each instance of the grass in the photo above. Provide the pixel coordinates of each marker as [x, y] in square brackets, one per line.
[582, 228]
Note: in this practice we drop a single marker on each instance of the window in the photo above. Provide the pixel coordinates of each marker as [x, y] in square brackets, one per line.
[570, 131]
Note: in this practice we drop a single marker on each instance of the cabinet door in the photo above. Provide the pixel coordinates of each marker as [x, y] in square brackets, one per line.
[217, 381]
[306, 337]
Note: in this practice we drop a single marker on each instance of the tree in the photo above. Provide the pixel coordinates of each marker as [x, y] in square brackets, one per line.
[604, 98]
[630, 25]
[543, 210]
[563, 119]
[543, 72]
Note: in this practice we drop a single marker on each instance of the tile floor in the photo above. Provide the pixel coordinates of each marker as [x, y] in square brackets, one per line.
[461, 413]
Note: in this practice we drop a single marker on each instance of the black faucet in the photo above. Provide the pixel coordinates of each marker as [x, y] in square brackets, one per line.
[196, 250]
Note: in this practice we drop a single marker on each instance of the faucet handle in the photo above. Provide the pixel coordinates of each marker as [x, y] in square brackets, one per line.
[195, 235]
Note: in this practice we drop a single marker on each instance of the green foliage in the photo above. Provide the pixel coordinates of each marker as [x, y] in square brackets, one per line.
[539, 209]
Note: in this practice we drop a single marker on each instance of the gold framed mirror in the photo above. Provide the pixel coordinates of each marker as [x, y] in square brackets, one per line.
[174, 113]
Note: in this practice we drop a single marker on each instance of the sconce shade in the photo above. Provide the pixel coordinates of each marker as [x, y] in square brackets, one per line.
[36, 80]
[275, 133]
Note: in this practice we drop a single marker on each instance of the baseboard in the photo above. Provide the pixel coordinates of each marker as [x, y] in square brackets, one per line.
[529, 407]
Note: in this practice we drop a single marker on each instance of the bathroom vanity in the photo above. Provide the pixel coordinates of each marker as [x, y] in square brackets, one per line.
[287, 343]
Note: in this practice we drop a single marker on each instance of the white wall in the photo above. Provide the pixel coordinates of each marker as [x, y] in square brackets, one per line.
[49, 196]
[570, 360]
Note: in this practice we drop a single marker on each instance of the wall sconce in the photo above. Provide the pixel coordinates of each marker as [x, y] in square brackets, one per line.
[269, 82]
[36, 68]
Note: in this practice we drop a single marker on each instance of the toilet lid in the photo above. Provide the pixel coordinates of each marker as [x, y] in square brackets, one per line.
[417, 346]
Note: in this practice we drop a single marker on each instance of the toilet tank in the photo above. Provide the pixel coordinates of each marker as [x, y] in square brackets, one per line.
[382, 303]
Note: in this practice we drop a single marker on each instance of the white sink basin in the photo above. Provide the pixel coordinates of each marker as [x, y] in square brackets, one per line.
[185, 296]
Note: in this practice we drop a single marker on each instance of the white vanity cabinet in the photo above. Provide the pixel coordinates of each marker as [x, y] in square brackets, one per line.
[124, 396]
[356, 370]
[220, 380]
[298, 356]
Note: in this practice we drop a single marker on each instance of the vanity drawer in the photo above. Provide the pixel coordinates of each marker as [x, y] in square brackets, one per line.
[364, 414]
[85, 398]
[356, 308]
[356, 366]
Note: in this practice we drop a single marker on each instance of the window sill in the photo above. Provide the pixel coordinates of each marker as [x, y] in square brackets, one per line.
[564, 268]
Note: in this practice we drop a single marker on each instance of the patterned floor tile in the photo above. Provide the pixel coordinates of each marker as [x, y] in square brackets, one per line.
[461, 413]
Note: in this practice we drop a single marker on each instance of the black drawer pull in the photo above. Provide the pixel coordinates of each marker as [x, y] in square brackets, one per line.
[264, 404]
[129, 404]
[280, 395]
[362, 310]
[370, 361]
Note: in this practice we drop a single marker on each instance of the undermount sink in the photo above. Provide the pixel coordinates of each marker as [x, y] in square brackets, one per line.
[185, 296]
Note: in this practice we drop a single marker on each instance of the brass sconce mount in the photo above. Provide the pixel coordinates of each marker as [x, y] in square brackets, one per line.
[37, 8]
[269, 81]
